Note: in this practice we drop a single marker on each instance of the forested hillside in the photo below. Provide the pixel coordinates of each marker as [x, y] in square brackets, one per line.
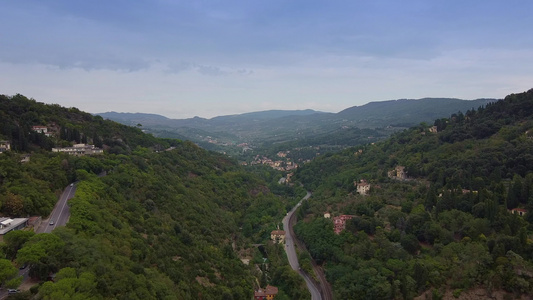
[407, 112]
[438, 216]
[29, 189]
[151, 219]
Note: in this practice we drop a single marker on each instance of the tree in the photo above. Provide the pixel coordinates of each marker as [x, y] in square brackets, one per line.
[14, 240]
[42, 252]
[410, 243]
[13, 205]
[7, 270]
[69, 286]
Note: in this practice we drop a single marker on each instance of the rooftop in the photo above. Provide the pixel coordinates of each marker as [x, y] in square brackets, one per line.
[8, 224]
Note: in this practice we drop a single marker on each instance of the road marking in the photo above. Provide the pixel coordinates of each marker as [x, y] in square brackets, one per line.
[62, 207]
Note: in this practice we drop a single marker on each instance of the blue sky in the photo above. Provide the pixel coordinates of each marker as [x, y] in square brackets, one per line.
[208, 58]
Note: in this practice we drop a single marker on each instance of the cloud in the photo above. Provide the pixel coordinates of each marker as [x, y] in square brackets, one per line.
[209, 58]
[210, 70]
[207, 70]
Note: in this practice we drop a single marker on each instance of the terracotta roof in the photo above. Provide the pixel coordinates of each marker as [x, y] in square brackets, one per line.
[278, 232]
[269, 290]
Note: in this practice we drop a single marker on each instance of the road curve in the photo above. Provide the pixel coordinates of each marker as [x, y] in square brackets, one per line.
[291, 251]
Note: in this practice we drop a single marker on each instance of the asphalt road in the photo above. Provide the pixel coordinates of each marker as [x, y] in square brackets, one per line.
[61, 212]
[59, 215]
[291, 251]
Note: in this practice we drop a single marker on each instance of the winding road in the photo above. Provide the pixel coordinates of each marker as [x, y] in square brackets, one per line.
[291, 251]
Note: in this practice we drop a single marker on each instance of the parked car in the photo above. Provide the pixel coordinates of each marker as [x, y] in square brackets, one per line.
[12, 291]
[23, 266]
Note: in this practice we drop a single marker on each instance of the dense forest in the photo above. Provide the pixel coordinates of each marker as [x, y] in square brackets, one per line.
[151, 218]
[445, 229]
[158, 218]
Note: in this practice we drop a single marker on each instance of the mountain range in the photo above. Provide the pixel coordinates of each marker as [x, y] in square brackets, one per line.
[286, 125]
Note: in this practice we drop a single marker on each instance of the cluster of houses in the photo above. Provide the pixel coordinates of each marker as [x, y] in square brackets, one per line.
[77, 149]
[282, 153]
[275, 164]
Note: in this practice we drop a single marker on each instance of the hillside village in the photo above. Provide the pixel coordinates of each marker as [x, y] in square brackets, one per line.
[281, 164]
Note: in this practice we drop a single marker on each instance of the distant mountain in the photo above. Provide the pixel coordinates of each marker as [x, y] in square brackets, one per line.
[226, 129]
[408, 112]
[134, 118]
[270, 114]
[276, 126]
[158, 119]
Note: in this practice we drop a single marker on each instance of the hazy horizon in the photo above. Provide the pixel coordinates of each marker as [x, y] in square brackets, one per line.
[251, 112]
[210, 58]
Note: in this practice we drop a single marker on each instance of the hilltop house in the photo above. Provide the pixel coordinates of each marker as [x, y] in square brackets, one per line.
[79, 150]
[339, 223]
[278, 236]
[266, 294]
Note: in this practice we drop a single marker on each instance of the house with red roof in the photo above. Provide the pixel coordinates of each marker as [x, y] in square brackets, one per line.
[518, 211]
[267, 293]
[339, 223]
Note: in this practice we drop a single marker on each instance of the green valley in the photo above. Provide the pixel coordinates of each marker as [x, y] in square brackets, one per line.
[437, 210]
[447, 213]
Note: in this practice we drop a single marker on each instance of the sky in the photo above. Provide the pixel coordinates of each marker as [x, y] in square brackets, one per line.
[192, 58]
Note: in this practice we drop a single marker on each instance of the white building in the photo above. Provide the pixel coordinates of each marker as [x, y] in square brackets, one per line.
[79, 150]
[8, 224]
[41, 129]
